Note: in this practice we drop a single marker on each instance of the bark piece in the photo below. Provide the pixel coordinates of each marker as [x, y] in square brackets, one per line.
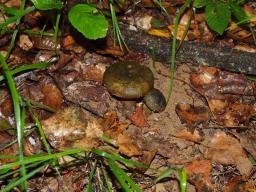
[198, 53]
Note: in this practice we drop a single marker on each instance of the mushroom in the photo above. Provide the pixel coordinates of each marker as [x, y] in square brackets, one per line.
[155, 100]
[130, 81]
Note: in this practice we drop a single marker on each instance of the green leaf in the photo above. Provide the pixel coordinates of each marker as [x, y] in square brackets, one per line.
[47, 4]
[238, 12]
[217, 16]
[88, 21]
[200, 3]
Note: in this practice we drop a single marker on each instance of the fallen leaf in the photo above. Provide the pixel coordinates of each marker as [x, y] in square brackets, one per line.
[148, 156]
[93, 73]
[68, 41]
[25, 43]
[52, 96]
[112, 50]
[72, 127]
[227, 150]
[127, 146]
[247, 140]
[192, 115]
[91, 96]
[7, 107]
[112, 127]
[138, 118]
[199, 173]
[223, 91]
[235, 184]
[187, 135]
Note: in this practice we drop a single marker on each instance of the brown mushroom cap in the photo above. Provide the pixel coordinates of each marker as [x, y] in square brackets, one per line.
[155, 100]
[128, 80]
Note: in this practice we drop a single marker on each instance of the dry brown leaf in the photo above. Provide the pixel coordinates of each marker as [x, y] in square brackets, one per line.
[247, 140]
[63, 60]
[112, 127]
[93, 73]
[90, 95]
[13, 3]
[71, 127]
[52, 96]
[236, 184]
[113, 50]
[199, 173]
[127, 146]
[192, 115]
[148, 156]
[185, 134]
[25, 43]
[227, 150]
[68, 41]
[217, 106]
[245, 47]
[223, 91]
[29, 149]
[7, 107]
[236, 114]
[45, 43]
[138, 118]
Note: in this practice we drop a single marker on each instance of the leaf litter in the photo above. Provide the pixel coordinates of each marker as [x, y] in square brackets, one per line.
[207, 127]
[184, 134]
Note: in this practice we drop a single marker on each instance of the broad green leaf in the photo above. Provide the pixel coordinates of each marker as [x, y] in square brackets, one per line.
[88, 21]
[217, 16]
[48, 4]
[200, 3]
[238, 12]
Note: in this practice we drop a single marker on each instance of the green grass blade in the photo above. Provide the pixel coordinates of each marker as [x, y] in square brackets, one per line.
[116, 30]
[12, 172]
[22, 168]
[36, 158]
[117, 157]
[106, 178]
[25, 68]
[125, 181]
[16, 106]
[56, 31]
[107, 140]
[166, 173]
[185, 30]
[41, 132]
[16, 17]
[174, 42]
[89, 188]
[22, 179]
[37, 105]
[182, 179]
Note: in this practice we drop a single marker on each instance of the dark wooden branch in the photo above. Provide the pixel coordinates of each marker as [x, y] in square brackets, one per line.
[198, 53]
